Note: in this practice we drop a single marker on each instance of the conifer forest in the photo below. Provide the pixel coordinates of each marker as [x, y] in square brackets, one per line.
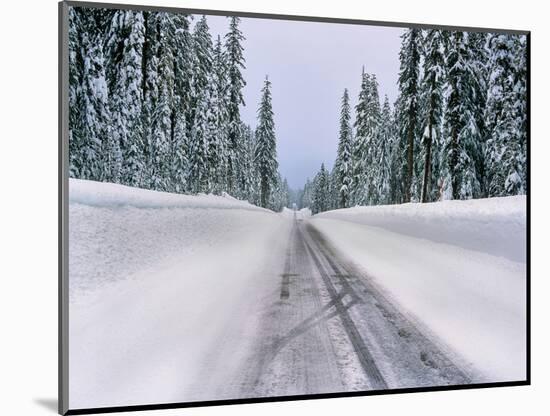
[458, 129]
[155, 103]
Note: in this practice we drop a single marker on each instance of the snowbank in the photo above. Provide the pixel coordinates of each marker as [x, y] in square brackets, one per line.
[101, 194]
[494, 226]
[164, 289]
[457, 267]
[305, 212]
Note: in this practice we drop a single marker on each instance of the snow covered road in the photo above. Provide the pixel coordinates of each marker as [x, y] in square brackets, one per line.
[180, 299]
[331, 330]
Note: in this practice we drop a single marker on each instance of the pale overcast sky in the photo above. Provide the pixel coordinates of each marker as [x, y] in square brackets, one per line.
[309, 65]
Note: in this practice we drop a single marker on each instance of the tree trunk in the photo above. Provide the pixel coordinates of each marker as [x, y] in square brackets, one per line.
[427, 166]
[428, 155]
[230, 175]
[454, 163]
[172, 173]
[144, 54]
[410, 150]
[343, 200]
[263, 193]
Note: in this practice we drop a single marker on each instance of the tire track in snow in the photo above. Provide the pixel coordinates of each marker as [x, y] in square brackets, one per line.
[361, 350]
[328, 328]
[406, 355]
[295, 354]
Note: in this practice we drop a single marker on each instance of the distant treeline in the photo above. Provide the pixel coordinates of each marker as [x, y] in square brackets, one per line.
[154, 104]
[458, 129]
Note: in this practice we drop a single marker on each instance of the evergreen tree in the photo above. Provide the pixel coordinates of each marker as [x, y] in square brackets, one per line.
[249, 187]
[506, 95]
[76, 108]
[95, 155]
[409, 57]
[199, 180]
[159, 108]
[520, 107]
[334, 188]
[285, 194]
[479, 60]
[306, 199]
[202, 140]
[463, 143]
[367, 123]
[321, 191]
[180, 112]
[280, 196]
[150, 80]
[255, 177]
[360, 144]
[235, 65]
[217, 154]
[383, 160]
[373, 142]
[251, 170]
[343, 165]
[434, 72]
[202, 63]
[124, 46]
[265, 156]
[398, 155]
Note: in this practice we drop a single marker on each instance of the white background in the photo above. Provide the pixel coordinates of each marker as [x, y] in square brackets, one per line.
[28, 220]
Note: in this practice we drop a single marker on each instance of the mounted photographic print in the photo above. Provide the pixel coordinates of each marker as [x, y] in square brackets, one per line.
[263, 207]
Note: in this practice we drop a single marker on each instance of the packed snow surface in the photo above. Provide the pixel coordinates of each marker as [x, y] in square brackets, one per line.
[167, 291]
[458, 267]
[112, 195]
[157, 282]
[495, 226]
